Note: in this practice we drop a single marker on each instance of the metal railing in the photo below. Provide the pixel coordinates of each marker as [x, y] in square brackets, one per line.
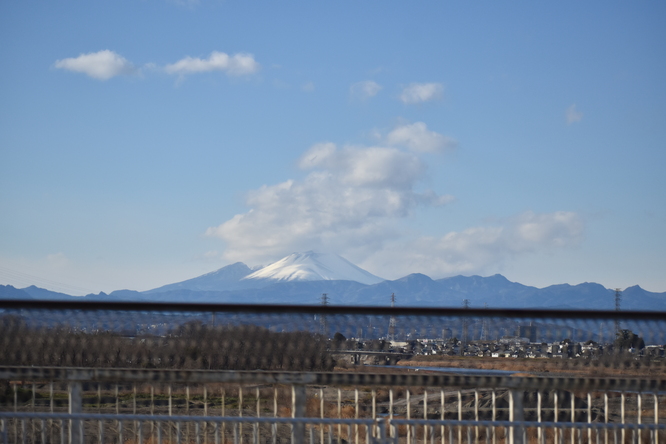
[303, 392]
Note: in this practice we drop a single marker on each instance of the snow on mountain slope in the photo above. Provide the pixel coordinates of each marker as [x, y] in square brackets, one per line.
[312, 266]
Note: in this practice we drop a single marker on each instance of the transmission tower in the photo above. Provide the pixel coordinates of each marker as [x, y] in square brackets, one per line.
[323, 326]
[392, 321]
[484, 325]
[464, 328]
[618, 301]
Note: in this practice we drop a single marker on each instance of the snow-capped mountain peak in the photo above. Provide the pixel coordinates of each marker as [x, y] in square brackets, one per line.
[313, 266]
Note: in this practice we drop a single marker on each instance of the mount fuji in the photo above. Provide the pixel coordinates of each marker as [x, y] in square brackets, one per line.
[297, 267]
[312, 266]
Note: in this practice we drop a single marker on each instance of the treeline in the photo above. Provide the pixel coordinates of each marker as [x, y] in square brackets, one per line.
[190, 346]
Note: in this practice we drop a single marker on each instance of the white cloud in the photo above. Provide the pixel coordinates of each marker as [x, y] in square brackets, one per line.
[365, 90]
[101, 65]
[421, 92]
[308, 87]
[417, 137]
[573, 115]
[236, 65]
[478, 249]
[372, 166]
[348, 200]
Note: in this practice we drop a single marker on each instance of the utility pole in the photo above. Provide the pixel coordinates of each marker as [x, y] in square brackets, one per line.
[392, 322]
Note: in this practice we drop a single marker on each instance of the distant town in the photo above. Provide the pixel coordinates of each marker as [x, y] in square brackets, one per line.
[522, 345]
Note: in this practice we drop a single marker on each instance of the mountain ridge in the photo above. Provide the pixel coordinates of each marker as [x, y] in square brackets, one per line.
[302, 277]
[230, 276]
[412, 290]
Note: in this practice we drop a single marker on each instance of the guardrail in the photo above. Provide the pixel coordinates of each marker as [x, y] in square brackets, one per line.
[604, 397]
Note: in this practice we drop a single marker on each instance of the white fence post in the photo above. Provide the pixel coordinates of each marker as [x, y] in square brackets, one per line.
[516, 413]
[298, 400]
[75, 407]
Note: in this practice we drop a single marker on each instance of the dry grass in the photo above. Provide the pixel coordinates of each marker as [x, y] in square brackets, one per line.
[578, 367]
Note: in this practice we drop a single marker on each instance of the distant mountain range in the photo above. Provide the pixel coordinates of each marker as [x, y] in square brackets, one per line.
[301, 278]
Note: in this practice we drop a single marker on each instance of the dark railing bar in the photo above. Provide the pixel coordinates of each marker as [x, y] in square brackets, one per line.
[329, 310]
[330, 378]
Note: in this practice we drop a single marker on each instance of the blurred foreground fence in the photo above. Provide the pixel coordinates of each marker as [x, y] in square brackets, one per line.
[76, 372]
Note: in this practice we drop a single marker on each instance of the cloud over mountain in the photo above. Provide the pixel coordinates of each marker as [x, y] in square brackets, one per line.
[349, 199]
[354, 201]
[481, 248]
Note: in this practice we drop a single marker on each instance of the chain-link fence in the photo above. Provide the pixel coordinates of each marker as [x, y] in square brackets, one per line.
[167, 373]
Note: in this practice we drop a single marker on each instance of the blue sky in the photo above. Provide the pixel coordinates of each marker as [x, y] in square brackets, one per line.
[145, 142]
